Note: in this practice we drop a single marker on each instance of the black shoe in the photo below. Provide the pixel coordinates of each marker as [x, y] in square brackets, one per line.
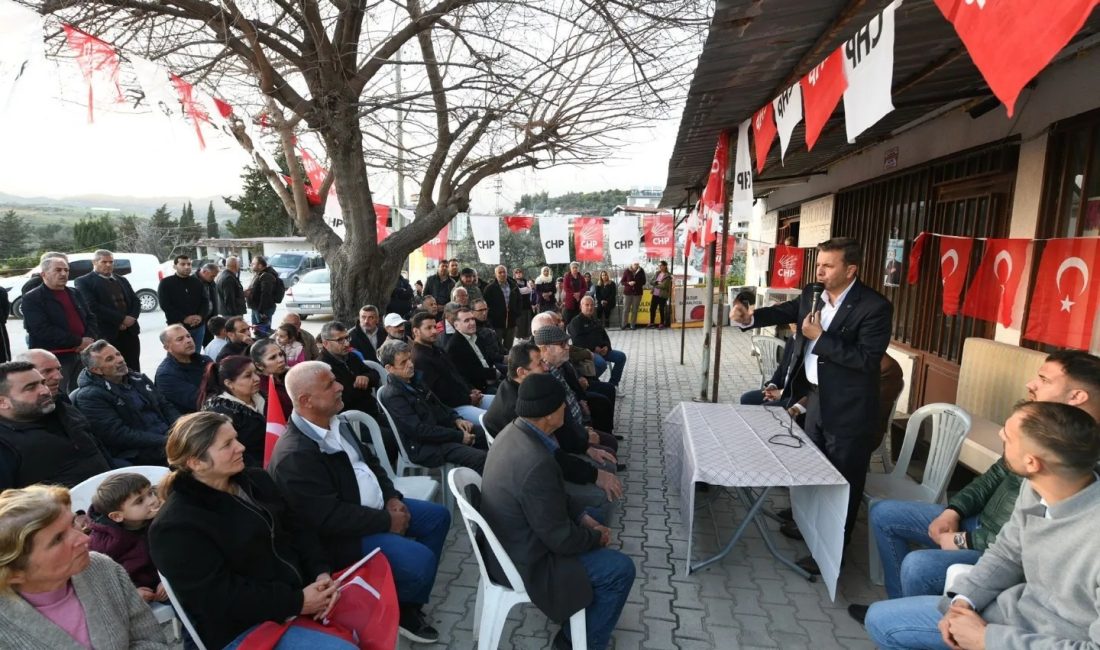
[560, 642]
[786, 514]
[790, 529]
[858, 612]
[809, 565]
[414, 627]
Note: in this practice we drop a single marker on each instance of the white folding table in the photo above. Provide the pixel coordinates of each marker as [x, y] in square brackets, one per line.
[750, 449]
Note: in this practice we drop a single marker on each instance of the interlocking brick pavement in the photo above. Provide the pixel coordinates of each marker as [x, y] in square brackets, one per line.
[748, 600]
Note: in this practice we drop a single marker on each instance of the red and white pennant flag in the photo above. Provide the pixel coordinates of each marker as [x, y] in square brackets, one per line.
[276, 420]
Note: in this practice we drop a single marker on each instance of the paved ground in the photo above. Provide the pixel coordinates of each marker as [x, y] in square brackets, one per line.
[747, 600]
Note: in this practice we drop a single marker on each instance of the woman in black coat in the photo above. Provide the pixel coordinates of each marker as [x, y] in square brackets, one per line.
[226, 545]
[241, 400]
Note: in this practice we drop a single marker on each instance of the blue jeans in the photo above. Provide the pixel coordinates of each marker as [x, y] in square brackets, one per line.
[473, 413]
[905, 623]
[263, 318]
[199, 333]
[616, 357]
[300, 638]
[414, 557]
[924, 572]
[611, 574]
[897, 524]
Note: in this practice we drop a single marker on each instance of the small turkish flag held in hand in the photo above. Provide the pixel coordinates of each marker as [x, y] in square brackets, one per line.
[954, 262]
[992, 294]
[1067, 294]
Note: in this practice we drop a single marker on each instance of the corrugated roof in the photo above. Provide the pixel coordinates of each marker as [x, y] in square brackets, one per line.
[756, 48]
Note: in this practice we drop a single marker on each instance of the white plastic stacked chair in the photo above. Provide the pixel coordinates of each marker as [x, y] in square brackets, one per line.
[406, 467]
[414, 487]
[769, 352]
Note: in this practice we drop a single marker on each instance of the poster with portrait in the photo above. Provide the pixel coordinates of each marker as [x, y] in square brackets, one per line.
[895, 260]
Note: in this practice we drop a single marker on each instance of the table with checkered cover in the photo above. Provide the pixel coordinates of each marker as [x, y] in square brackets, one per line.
[728, 445]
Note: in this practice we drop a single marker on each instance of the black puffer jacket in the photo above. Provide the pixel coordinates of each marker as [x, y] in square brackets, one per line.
[251, 425]
[233, 563]
[125, 432]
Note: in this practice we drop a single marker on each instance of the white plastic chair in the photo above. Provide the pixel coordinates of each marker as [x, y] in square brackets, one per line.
[769, 352]
[883, 450]
[494, 601]
[81, 497]
[404, 465]
[414, 487]
[379, 368]
[950, 424]
[488, 436]
[181, 613]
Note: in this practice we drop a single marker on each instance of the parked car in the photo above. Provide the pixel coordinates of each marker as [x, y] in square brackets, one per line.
[292, 265]
[140, 269]
[311, 295]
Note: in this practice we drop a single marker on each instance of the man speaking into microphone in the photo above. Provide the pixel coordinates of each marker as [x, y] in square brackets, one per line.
[839, 343]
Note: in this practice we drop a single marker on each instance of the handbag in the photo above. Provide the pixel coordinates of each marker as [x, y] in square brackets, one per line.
[366, 615]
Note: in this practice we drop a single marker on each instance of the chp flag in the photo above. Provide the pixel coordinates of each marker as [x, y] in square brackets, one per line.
[992, 294]
[623, 237]
[588, 239]
[436, 247]
[763, 134]
[788, 113]
[822, 89]
[554, 232]
[954, 263]
[276, 419]
[787, 267]
[658, 236]
[1066, 300]
[99, 63]
[1011, 41]
[486, 231]
[700, 225]
[869, 68]
[741, 204]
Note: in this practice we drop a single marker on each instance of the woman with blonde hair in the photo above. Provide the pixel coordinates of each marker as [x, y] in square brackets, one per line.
[54, 593]
[225, 543]
[605, 293]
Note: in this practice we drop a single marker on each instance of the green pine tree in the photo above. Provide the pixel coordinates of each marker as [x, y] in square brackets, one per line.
[212, 229]
[94, 232]
[13, 235]
[262, 213]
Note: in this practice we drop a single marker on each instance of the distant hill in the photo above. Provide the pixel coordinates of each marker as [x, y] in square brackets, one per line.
[39, 209]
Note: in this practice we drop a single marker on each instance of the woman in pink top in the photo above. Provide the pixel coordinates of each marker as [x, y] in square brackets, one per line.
[54, 593]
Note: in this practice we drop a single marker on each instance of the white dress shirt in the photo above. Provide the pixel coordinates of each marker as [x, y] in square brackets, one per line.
[828, 311]
[370, 492]
[472, 339]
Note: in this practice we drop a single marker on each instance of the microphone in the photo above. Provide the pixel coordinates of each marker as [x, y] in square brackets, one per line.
[817, 289]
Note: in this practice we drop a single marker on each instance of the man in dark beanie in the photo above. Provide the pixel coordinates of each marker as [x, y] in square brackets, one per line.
[559, 550]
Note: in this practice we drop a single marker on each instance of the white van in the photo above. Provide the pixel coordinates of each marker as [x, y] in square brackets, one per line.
[140, 269]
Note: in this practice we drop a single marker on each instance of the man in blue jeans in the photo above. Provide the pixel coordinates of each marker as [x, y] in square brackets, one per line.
[336, 487]
[1036, 585]
[560, 551]
[970, 522]
[588, 332]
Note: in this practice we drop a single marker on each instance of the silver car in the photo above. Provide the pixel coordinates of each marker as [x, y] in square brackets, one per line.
[311, 295]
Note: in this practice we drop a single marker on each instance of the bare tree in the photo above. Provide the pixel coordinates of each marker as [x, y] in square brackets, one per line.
[487, 87]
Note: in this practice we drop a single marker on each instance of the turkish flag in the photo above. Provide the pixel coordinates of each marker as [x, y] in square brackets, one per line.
[787, 267]
[1011, 41]
[658, 229]
[822, 89]
[763, 133]
[954, 262]
[713, 199]
[915, 256]
[1067, 294]
[992, 293]
[316, 175]
[436, 247]
[588, 239]
[276, 419]
[382, 219]
[517, 223]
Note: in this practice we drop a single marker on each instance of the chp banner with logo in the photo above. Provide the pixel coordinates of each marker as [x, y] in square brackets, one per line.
[822, 89]
[588, 239]
[992, 294]
[869, 68]
[658, 236]
[763, 134]
[1011, 41]
[623, 237]
[486, 231]
[787, 267]
[954, 262]
[1067, 294]
[555, 239]
[436, 247]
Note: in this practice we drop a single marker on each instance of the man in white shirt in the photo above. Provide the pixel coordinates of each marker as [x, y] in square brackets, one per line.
[336, 486]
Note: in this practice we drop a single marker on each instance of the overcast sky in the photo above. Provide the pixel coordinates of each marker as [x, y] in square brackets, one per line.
[51, 150]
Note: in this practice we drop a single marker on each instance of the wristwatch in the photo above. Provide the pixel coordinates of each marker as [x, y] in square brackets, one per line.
[960, 540]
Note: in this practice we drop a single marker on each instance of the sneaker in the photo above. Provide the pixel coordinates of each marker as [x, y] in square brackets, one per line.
[414, 627]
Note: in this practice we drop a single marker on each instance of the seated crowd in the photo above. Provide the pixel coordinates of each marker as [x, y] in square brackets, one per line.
[246, 534]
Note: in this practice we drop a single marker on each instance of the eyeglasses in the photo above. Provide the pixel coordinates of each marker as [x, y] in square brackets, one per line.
[342, 339]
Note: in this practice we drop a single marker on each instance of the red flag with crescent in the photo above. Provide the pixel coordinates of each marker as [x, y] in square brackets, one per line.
[954, 263]
[1067, 294]
[517, 223]
[992, 293]
[915, 256]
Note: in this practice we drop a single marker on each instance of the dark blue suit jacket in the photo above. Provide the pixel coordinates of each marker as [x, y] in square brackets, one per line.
[44, 320]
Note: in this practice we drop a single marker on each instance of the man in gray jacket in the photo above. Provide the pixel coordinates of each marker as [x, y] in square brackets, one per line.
[559, 550]
[1038, 585]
